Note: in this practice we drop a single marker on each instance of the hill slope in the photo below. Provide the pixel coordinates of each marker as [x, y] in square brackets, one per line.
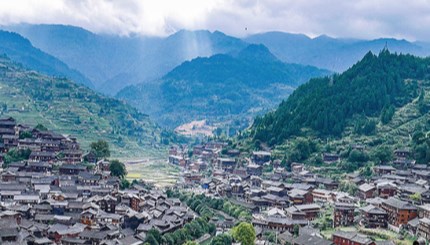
[368, 93]
[220, 88]
[22, 51]
[68, 108]
[113, 62]
[334, 54]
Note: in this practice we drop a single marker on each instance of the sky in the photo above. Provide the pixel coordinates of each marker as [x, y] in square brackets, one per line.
[337, 18]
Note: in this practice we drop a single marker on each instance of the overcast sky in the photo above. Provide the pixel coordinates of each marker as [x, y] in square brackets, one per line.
[339, 18]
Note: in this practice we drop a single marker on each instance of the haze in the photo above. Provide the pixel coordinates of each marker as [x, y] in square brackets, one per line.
[337, 18]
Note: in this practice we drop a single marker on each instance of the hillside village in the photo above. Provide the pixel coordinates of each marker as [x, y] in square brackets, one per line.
[52, 192]
[394, 204]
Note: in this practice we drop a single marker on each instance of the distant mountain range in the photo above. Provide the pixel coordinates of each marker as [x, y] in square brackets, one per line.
[113, 62]
[20, 50]
[191, 75]
[220, 88]
[335, 54]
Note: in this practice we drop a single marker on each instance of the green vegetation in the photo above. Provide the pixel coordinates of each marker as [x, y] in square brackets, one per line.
[326, 106]
[191, 231]
[379, 105]
[16, 155]
[117, 168]
[221, 88]
[153, 170]
[222, 239]
[244, 233]
[100, 149]
[67, 108]
[204, 205]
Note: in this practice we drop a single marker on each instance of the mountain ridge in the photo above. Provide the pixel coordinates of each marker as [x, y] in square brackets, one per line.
[21, 50]
[220, 87]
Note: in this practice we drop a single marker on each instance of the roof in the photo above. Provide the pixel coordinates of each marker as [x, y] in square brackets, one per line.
[373, 210]
[425, 220]
[261, 153]
[343, 206]
[425, 207]
[297, 193]
[353, 236]
[306, 239]
[366, 187]
[275, 211]
[397, 203]
[415, 222]
[130, 240]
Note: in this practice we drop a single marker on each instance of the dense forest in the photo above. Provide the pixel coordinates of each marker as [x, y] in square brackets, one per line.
[373, 87]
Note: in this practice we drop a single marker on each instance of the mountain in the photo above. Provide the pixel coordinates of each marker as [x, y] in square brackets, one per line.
[113, 62]
[69, 108]
[336, 54]
[220, 88]
[21, 50]
[361, 101]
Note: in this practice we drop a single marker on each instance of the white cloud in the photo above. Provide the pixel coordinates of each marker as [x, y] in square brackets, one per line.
[340, 18]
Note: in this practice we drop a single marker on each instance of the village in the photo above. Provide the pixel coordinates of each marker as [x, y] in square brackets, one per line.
[301, 207]
[52, 192]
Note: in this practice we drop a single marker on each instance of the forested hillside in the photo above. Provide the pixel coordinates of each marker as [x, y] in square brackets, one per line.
[366, 94]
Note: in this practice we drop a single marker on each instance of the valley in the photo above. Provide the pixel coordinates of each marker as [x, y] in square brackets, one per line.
[199, 137]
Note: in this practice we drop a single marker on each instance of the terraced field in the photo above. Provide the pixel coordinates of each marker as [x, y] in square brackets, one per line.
[68, 108]
[153, 170]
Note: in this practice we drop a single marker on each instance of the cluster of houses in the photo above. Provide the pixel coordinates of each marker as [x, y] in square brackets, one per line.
[397, 197]
[45, 146]
[54, 198]
[67, 210]
[83, 207]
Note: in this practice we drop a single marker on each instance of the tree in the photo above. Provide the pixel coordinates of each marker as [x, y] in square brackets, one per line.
[348, 187]
[415, 197]
[190, 243]
[244, 233]
[124, 184]
[150, 239]
[100, 149]
[40, 127]
[357, 156]
[422, 105]
[366, 172]
[387, 114]
[296, 230]
[16, 155]
[25, 135]
[382, 154]
[117, 168]
[223, 239]
[153, 237]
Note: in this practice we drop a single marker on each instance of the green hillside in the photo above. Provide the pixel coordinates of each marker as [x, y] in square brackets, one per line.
[68, 108]
[358, 100]
[220, 88]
